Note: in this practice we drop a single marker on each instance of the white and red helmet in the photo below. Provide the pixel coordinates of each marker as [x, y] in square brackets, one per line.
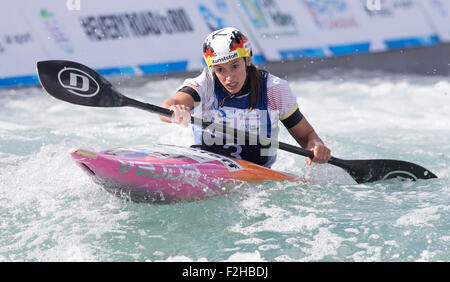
[224, 45]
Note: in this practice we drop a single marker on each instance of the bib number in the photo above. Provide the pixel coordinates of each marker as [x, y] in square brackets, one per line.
[236, 154]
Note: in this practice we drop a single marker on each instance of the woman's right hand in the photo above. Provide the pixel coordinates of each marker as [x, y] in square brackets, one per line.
[181, 114]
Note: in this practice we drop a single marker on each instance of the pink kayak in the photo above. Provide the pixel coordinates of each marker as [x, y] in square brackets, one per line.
[164, 173]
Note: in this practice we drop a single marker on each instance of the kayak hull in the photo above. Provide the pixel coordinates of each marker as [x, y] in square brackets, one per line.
[164, 173]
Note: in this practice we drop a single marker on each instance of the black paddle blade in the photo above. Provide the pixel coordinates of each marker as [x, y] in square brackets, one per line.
[77, 84]
[373, 170]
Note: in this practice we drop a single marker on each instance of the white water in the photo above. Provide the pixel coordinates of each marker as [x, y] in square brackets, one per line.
[51, 211]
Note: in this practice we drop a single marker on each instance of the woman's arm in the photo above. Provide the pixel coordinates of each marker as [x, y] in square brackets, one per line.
[306, 137]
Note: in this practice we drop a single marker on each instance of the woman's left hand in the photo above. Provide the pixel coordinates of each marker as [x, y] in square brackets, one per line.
[321, 153]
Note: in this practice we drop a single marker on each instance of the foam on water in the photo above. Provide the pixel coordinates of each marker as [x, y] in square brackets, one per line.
[51, 211]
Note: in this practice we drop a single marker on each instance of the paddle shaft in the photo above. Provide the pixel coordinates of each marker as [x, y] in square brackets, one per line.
[146, 107]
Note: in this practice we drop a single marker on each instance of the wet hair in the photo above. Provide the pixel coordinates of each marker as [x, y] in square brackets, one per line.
[254, 79]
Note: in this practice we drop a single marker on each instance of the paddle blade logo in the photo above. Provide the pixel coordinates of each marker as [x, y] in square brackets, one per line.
[78, 82]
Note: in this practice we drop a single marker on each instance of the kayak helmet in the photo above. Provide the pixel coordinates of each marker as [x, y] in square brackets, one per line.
[224, 45]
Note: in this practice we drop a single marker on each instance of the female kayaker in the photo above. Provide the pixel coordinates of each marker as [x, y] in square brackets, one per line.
[233, 91]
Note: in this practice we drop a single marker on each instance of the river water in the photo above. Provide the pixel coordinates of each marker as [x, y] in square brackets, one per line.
[51, 211]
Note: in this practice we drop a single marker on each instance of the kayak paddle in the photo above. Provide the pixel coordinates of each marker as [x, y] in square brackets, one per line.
[78, 84]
